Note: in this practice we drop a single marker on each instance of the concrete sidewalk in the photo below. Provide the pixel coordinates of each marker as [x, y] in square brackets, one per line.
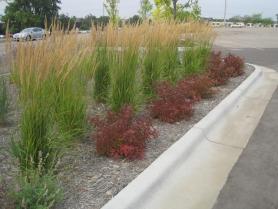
[253, 182]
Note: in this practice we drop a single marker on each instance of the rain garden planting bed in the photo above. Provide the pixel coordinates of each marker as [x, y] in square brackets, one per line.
[88, 115]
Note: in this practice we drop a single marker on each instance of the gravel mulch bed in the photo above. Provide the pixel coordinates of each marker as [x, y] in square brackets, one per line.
[90, 180]
[8, 169]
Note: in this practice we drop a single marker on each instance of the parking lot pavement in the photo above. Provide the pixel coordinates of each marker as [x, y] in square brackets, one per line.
[257, 45]
[253, 182]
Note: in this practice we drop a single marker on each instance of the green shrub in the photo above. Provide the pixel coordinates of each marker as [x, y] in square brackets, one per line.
[4, 101]
[124, 88]
[37, 192]
[101, 75]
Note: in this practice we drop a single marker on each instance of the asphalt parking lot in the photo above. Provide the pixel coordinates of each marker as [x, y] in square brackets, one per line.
[257, 45]
[252, 183]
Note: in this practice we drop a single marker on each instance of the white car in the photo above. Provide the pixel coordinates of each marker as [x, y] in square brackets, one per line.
[237, 25]
[30, 34]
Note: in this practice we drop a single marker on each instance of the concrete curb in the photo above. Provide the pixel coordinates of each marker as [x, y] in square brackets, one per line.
[142, 188]
[211, 118]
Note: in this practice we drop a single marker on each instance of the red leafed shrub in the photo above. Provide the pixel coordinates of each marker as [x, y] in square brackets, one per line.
[171, 106]
[234, 64]
[122, 134]
[217, 69]
[219, 74]
[196, 87]
[220, 70]
[215, 59]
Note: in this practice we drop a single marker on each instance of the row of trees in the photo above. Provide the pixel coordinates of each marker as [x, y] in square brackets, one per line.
[84, 23]
[21, 14]
[255, 19]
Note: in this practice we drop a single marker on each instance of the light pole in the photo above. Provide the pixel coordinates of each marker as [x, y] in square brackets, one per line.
[225, 12]
[103, 2]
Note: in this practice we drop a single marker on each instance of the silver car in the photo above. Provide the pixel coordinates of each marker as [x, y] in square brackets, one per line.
[30, 34]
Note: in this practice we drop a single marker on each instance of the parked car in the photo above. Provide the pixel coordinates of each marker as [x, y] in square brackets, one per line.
[238, 25]
[30, 34]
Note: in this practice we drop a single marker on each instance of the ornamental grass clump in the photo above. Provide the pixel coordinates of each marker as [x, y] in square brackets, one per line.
[71, 106]
[171, 69]
[122, 134]
[195, 59]
[39, 143]
[101, 75]
[124, 85]
[57, 62]
[169, 39]
[161, 57]
[152, 70]
[123, 64]
[52, 86]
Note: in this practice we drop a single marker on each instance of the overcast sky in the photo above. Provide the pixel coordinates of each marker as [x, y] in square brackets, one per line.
[210, 8]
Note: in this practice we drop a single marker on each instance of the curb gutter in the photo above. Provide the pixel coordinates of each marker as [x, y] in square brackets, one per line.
[191, 173]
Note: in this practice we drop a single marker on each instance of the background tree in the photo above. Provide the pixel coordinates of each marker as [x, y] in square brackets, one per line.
[163, 9]
[86, 22]
[135, 19]
[145, 9]
[254, 19]
[102, 21]
[27, 13]
[111, 7]
[172, 9]
[277, 18]
[83, 23]
[66, 21]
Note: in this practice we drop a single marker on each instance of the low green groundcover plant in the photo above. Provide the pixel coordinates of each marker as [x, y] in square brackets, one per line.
[37, 191]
